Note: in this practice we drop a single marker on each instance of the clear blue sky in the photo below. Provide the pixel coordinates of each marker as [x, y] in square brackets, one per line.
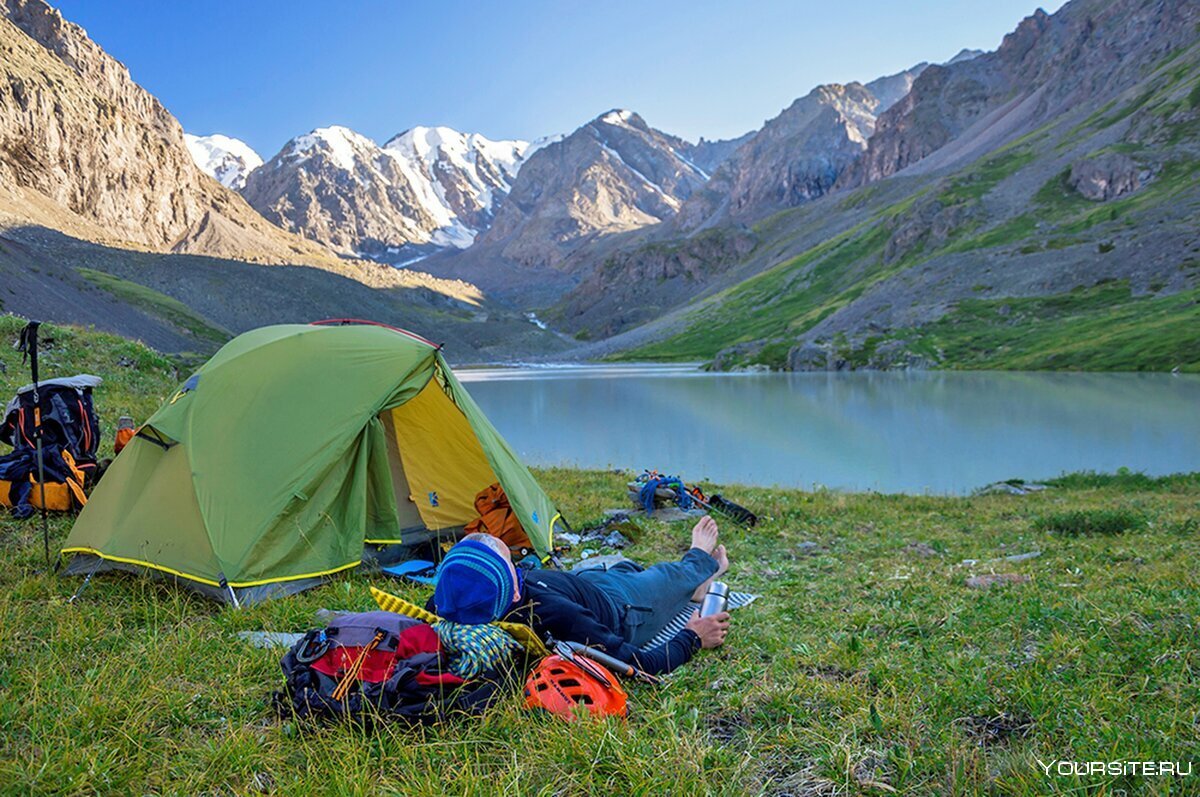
[266, 70]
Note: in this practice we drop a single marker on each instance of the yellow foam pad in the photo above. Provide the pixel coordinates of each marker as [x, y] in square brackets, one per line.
[519, 631]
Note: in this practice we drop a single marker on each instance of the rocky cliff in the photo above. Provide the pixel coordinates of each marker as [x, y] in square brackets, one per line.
[795, 157]
[79, 137]
[709, 155]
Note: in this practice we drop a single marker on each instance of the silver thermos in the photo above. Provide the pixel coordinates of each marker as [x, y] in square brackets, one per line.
[716, 599]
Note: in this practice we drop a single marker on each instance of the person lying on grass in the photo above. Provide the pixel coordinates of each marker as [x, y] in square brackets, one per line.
[617, 610]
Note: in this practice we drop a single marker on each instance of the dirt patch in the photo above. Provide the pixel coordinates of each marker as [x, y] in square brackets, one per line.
[788, 778]
[921, 549]
[725, 728]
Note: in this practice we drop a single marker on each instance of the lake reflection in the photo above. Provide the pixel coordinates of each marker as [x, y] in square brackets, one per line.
[940, 432]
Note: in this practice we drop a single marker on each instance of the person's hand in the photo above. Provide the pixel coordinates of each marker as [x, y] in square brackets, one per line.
[711, 629]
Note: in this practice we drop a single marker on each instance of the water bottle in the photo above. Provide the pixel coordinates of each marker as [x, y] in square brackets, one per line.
[716, 599]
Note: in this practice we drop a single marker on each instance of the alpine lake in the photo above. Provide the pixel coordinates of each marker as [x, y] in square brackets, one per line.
[941, 432]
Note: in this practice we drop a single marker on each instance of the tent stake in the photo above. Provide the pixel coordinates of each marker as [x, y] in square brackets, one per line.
[232, 594]
[87, 579]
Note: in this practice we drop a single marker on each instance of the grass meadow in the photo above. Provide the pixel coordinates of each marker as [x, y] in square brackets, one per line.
[868, 666]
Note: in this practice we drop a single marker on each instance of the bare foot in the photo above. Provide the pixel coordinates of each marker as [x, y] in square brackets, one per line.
[704, 535]
[722, 557]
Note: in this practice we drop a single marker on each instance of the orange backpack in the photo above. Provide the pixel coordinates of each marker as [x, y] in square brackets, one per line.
[497, 518]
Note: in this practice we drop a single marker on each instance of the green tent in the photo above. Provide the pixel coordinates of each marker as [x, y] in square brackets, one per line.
[293, 453]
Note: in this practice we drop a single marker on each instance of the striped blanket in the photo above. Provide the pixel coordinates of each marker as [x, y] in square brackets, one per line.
[736, 601]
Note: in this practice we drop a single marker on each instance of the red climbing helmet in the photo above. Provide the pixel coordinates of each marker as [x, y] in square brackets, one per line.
[558, 685]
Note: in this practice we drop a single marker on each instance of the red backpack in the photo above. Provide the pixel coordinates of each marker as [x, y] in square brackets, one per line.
[378, 665]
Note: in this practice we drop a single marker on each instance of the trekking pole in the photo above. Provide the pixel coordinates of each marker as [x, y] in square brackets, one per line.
[613, 663]
[29, 349]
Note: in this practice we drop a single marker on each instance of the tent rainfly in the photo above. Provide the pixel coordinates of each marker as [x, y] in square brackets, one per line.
[292, 454]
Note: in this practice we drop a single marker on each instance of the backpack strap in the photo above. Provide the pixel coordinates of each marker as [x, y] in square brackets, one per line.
[352, 673]
[76, 480]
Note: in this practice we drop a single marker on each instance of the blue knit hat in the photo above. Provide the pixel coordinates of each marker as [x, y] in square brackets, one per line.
[474, 584]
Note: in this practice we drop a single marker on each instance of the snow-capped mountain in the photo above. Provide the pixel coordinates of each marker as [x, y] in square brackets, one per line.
[428, 188]
[460, 177]
[227, 159]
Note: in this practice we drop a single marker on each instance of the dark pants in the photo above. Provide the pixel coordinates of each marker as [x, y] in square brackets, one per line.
[647, 598]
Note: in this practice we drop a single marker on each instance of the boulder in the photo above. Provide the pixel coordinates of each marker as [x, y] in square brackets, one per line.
[893, 355]
[1105, 176]
[734, 357]
[808, 357]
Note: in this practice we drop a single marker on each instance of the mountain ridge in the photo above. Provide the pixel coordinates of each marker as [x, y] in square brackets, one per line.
[1032, 174]
[423, 190]
[612, 174]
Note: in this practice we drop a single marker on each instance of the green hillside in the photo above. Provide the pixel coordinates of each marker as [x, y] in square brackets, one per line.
[1000, 264]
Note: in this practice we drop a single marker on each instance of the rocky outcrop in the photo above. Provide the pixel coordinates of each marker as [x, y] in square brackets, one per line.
[1105, 176]
[801, 154]
[709, 155]
[810, 357]
[890, 89]
[78, 136]
[614, 174]
[888, 355]
[633, 286]
[927, 224]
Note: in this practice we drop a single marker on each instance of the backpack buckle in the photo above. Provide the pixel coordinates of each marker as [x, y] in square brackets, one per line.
[314, 645]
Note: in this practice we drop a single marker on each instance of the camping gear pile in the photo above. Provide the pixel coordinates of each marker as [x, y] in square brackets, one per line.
[379, 665]
[394, 665]
[300, 451]
[397, 664]
[53, 429]
[652, 491]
